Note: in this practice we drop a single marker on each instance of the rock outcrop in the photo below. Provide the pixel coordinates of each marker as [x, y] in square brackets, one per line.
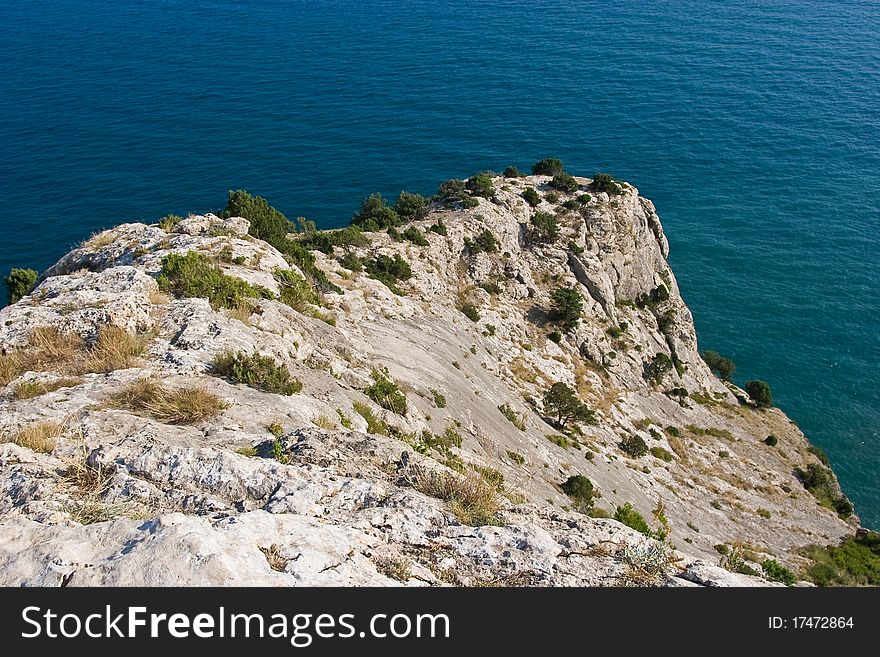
[345, 492]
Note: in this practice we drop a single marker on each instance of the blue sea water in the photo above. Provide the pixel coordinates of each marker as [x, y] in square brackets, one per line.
[754, 126]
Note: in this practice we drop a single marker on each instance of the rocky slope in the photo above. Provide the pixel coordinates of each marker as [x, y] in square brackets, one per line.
[122, 495]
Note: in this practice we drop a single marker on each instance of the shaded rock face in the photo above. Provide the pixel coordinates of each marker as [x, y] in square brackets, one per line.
[338, 495]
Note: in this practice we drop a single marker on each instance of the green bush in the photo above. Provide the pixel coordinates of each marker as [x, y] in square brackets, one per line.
[375, 214]
[19, 282]
[659, 366]
[439, 228]
[194, 275]
[169, 222]
[819, 481]
[722, 366]
[481, 185]
[375, 424]
[662, 454]
[568, 306]
[565, 406]
[603, 182]
[771, 440]
[454, 193]
[388, 270]
[439, 399]
[627, 515]
[759, 392]
[470, 311]
[634, 446]
[531, 196]
[255, 370]
[512, 172]
[564, 182]
[386, 393]
[580, 490]
[555, 336]
[350, 261]
[491, 287]
[415, 236]
[549, 166]
[854, 562]
[411, 207]
[545, 227]
[484, 242]
[295, 290]
[515, 418]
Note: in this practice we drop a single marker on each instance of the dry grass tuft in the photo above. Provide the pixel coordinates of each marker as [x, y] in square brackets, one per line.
[39, 437]
[325, 423]
[170, 405]
[31, 389]
[274, 558]
[470, 498]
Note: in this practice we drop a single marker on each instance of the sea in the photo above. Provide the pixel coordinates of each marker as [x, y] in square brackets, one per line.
[753, 125]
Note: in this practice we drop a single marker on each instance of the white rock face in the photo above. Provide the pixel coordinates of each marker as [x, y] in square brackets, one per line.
[333, 502]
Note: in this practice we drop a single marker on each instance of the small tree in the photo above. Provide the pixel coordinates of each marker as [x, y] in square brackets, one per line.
[19, 282]
[564, 404]
[568, 305]
[759, 392]
[512, 172]
[531, 196]
[545, 227]
[564, 182]
[375, 214]
[411, 207]
[604, 182]
[580, 490]
[549, 166]
[721, 365]
[481, 185]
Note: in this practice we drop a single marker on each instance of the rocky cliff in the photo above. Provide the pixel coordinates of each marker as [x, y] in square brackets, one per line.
[394, 428]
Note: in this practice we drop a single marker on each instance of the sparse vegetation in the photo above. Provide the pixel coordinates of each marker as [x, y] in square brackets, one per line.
[386, 392]
[562, 401]
[389, 271]
[375, 424]
[855, 561]
[516, 457]
[532, 197]
[485, 242]
[439, 228]
[169, 222]
[439, 399]
[414, 235]
[659, 366]
[195, 275]
[178, 405]
[481, 185]
[454, 193]
[662, 454]
[634, 446]
[819, 481]
[628, 515]
[568, 306]
[470, 311]
[515, 418]
[776, 572]
[470, 498]
[31, 389]
[295, 290]
[255, 370]
[39, 436]
[19, 282]
[545, 227]
[564, 182]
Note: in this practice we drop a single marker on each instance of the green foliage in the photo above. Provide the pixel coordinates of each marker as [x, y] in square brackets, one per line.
[516, 457]
[819, 481]
[776, 572]
[515, 418]
[169, 222]
[375, 424]
[854, 562]
[295, 290]
[568, 306]
[722, 366]
[820, 454]
[19, 282]
[275, 429]
[454, 193]
[603, 182]
[415, 236]
[565, 406]
[545, 227]
[470, 311]
[512, 172]
[411, 207]
[439, 399]
[386, 393]
[255, 370]
[194, 275]
[555, 336]
[439, 228]
[484, 242]
[388, 270]
[491, 287]
[771, 440]
[350, 261]
[628, 515]
[662, 454]
[375, 214]
[759, 392]
[481, 185]
[659, 367]
[634, 445]
[531, 196]
[549, 166]
[666, 321]
[564, 182]
[580, 490]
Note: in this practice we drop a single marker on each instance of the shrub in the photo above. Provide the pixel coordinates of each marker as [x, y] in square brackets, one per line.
[485, 241]
[662, 454]
[512, 172]
[439, 228]
[39, 436]
[531, 196]
[194, 275]
[375, 214]
[776, 572]
[516, 457]
[19, 282]
[470, 311]
[568, 306]
[666, 321]
[555, 336]
[820, 454]
[491, 287]
[386, 393]
[580, 490]
[659, 366]
[411, 207]
[564, 182]
[388, 270]
[481, 185]
[375, 424]
[855, 561]
[439, 399]
[515, 418]
[722, 366]
[562, 401]
[183, 405]
[603, 182]
[549, 166]
[819, 481]
[759, 392]
[545, 227]
[415, 236]
[255, 370]
[454, 193]
[634, 445]
[350, 261]
[470, 498]
[627, 515]
[771, 440]
[169, 222]
[295, 290]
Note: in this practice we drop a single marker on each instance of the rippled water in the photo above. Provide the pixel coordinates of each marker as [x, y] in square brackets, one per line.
[754, 126]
